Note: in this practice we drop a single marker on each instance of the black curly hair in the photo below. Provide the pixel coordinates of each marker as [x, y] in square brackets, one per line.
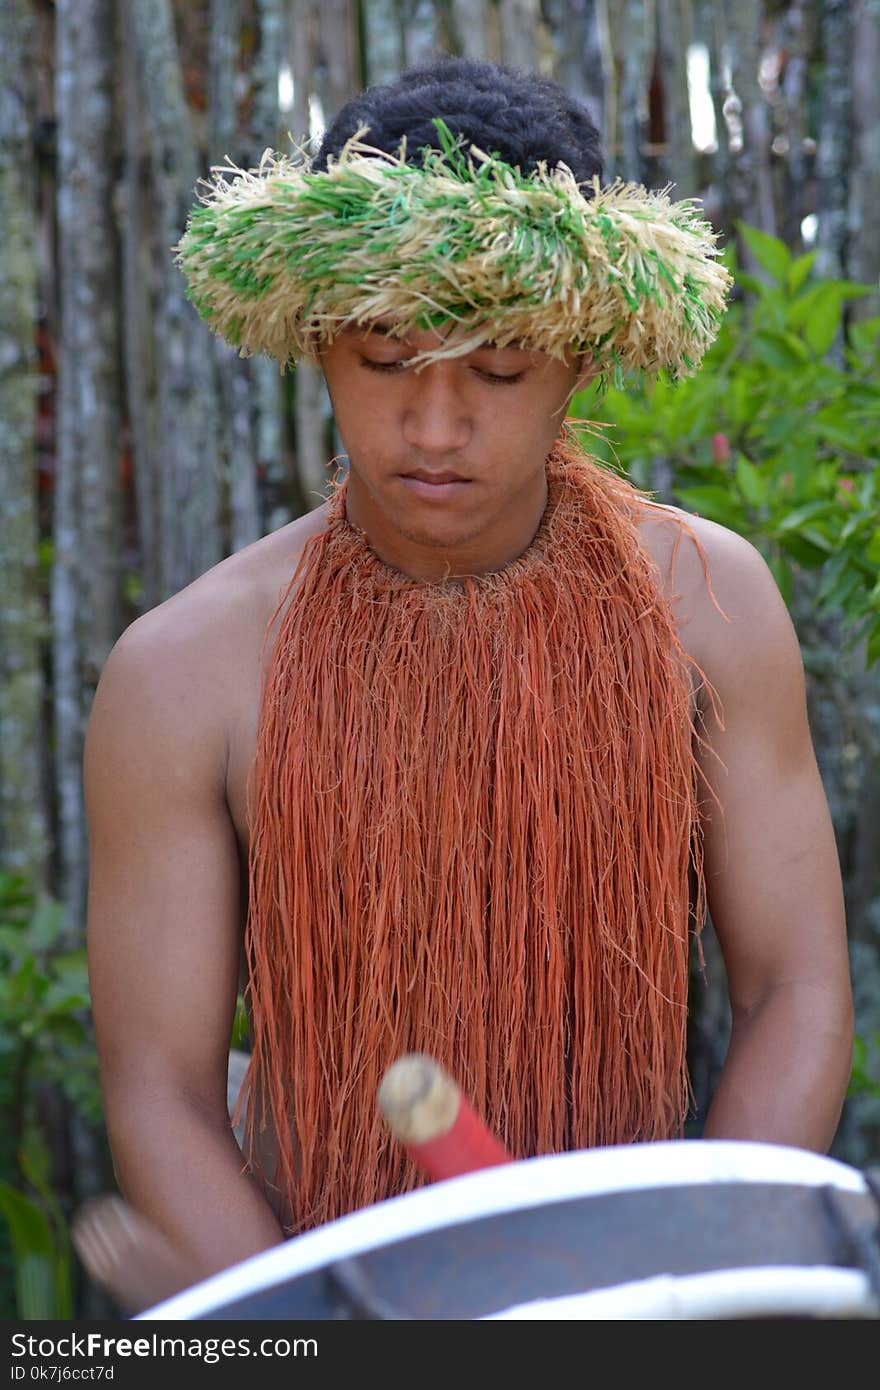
[522, 116]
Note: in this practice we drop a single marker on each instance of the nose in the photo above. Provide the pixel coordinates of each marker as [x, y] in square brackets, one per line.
[436, 418]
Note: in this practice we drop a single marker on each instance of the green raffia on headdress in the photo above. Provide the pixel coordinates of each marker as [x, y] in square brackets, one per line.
[278, 258]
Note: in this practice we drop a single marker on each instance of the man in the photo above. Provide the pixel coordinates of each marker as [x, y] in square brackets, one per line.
[456, 762]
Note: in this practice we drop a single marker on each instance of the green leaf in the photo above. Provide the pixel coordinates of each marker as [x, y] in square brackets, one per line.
[824, 322]
[750, 283]
[752, 482]
[72, 965]
[34, 1159]
[873, 646]
[794, 520]
[66, 996]
[46, 923]
[28, 985]
[799, 270]
[800, 309]
[36, 1290]
[34, 1253]
[867, 485]
[819, 311]
[872, 549]
[837, 595]
[781, 571]
[802, 550]
[63, 1028]
[852, 527]
[12, 942]
[26, 1221]
[865, 335]
[818, 539]
[844, 435]
[771, 254]
[45, 559]
[782, 351]
[712, 502]
[16, 892]
[782, 425]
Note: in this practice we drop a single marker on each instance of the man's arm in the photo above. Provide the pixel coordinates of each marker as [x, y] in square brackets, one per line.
[772, 868]
[164, 942]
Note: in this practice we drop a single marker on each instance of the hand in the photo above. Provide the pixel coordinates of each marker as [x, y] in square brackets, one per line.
[127, 1256]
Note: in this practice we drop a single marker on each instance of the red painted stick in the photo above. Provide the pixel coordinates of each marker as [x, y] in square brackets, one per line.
[439, 1128]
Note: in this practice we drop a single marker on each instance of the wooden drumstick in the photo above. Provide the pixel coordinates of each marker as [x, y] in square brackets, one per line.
[437, 1125]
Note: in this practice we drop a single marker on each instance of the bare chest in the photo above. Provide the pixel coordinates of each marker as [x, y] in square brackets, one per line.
[279, 561]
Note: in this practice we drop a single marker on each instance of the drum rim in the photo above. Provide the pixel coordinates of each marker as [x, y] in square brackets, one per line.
[763, 1290]
[512, 1187]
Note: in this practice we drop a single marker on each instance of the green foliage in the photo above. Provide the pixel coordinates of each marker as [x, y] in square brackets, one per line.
[40, 1239]
[240, 1027]
[777, 436]
[865, 1076]
[46, 1042]
[44, 1002]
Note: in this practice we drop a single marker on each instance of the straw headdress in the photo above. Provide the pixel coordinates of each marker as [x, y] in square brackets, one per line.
[278, 258]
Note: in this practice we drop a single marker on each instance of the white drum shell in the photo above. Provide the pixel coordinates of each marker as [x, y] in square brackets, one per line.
[544, 1181]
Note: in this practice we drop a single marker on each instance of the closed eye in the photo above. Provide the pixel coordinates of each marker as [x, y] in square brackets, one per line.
[398, 366]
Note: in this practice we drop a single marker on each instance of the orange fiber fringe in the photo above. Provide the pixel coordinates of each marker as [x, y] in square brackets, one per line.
[474, 813]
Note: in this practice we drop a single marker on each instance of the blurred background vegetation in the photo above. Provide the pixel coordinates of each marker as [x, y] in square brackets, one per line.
[136, 451]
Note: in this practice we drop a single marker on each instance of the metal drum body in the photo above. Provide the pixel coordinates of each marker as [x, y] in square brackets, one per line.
[682, 1229]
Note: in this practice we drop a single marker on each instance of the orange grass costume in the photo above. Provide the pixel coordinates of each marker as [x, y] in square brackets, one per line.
[474, 804]
[474, 813]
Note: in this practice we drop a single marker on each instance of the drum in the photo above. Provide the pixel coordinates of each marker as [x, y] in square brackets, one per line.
[679, 1229]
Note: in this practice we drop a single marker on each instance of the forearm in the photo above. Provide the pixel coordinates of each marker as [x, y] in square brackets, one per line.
[785, 1076]
[183, 1172]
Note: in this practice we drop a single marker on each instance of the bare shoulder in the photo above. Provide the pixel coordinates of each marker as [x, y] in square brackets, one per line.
[216, 605]
[706, 567]
[734, 621]
[195, 652]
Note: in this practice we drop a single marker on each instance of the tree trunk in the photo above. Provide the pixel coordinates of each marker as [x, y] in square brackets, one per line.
[24, 838]
[627, 38]
[312, 406]
[189, 480]
[339, 79]
[798, 38]
[337, 72]
[864, 206]
[383, 56]
[753, 185]
[521, 33]
[140, 366]
[676, 164]
[835, 136]
[470, 33]
[234, 373]
[721, 195]
[271, 464]
[574, 34]
[86, 589]
[418, 24]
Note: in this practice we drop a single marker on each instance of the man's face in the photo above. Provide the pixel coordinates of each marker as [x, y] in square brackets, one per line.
[490, 418]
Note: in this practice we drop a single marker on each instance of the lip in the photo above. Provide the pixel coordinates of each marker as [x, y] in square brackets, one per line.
[435, 475]
[439, 488]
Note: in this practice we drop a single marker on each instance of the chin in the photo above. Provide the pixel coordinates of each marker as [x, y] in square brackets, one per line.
[437, 537]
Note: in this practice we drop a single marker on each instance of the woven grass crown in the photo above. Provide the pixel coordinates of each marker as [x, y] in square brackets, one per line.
[278, 258]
